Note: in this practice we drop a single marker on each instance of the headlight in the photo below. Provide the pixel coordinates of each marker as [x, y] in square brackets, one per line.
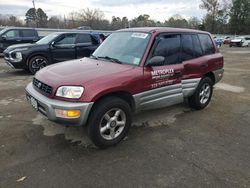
[71, 92]
[18, 55]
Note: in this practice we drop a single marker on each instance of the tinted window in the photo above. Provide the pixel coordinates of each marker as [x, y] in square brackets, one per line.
[12, 34]
[67, 39]
[206, 44]
[197, 46]
[84, 38]
[187, 47]
[169, 46]
[28, 33]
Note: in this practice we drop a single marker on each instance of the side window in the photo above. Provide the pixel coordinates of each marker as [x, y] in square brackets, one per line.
[28, 33]
[187, 47]
[206, 44]
[12, 34]
[84, 38]
[197, 46]
[169, 46]
[67, 39]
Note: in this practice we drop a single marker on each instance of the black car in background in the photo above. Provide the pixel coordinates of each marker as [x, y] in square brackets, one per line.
[56, 47]
[11, 35]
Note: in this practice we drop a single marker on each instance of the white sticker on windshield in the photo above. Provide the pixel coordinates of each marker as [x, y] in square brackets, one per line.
[139, 35]
[136, 61]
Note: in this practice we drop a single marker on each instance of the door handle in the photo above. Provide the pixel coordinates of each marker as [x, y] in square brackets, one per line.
[177, 72]
[18, 40]
[205, 65]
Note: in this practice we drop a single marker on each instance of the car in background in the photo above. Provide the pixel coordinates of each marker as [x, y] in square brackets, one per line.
[227, 40]
[56, 47]
[84, 28]
[11, 35]
[218, 42]
[240, 42]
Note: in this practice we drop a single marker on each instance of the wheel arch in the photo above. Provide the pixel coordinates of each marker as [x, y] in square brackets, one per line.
[37, 54]
[126, 96]
[211, 76]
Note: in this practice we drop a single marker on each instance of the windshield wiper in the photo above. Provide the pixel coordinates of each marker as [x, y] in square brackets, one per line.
[110, 59]
[94, 57]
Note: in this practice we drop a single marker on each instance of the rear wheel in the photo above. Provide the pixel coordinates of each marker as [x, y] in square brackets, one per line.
[36, 63]
[202, 96]
[109, 122]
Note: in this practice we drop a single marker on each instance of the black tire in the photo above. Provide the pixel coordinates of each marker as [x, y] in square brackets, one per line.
[196, 101]
[36, 63]
[98, 121]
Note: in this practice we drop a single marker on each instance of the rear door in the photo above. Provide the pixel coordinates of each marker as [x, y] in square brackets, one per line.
[11, 37]
[163, 81]
[29, 35]
[85, 45]
[64, 48]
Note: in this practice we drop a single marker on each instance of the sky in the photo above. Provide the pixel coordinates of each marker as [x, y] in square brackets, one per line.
[159, 10]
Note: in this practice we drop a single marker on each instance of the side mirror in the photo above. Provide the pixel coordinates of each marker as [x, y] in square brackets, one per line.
[156, 60]
[4, 37]
[53, 43]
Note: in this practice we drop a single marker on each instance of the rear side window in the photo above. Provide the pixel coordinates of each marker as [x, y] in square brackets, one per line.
[169, 46]
[187, 47]
[84, 38]
[197, 46]
[206, 44]
[12, 33]
[28, 33]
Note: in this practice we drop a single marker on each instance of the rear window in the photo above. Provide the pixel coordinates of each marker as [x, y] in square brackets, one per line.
[197, 46]
[84, 38]
[206, 44]
[28, 33]
[187, 47]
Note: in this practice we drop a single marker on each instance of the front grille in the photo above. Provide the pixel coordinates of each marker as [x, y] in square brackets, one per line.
[44, 88]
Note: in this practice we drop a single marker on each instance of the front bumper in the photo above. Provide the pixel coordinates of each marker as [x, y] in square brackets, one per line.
[47, 107]
[15, 64]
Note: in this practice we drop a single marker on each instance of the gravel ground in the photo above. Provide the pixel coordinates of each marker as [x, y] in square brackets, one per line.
[171, 147]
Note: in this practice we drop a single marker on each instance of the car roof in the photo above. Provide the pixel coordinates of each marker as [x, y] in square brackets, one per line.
[162, 30]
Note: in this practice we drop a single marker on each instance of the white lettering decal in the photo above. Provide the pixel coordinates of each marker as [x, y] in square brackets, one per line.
[160, 74]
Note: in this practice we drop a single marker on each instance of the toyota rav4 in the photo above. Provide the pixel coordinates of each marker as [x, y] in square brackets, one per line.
[132, 70]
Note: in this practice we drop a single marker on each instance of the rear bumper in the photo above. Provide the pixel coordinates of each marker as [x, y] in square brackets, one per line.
[218, 74]
[47, 107]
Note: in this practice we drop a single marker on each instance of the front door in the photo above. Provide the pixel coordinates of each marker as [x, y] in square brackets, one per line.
[163, 81]
[64, 48]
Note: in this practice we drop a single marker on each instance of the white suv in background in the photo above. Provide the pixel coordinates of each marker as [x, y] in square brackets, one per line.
[240, 41]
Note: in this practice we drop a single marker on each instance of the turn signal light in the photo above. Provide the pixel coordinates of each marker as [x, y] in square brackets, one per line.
[67, 113]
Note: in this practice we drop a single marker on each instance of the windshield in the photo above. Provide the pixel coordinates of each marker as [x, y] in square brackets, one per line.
[48, 38]
[3, 30]
[124, 47]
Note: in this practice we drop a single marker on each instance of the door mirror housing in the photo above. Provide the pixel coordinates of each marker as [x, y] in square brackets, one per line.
[156, 60]
[52, 44]
[4, 37]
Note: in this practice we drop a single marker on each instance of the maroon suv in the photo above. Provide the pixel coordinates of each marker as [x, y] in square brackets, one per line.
[133, 70]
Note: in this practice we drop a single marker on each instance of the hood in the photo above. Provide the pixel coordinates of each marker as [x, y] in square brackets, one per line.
[79, 72]
[25, 45]
[236, 40]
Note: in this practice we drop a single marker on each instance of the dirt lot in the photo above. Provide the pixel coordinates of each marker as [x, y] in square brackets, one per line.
[173, 147]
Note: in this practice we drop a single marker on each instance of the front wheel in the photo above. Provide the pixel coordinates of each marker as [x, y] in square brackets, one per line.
[109, 122]
[202, 96]
[36, 63]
